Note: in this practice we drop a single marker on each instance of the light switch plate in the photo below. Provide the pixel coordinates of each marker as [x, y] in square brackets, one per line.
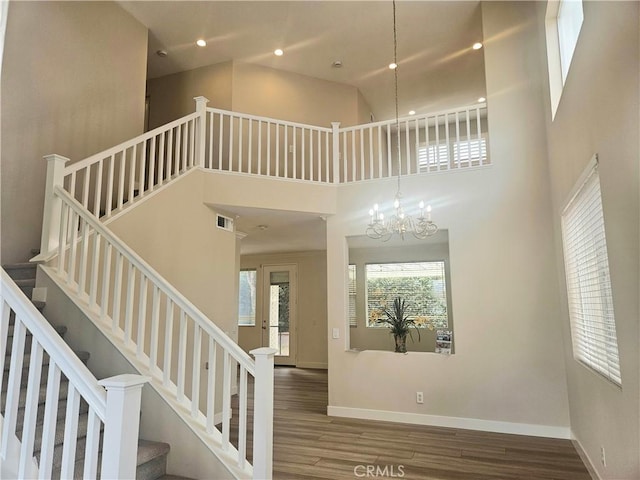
[336, 333]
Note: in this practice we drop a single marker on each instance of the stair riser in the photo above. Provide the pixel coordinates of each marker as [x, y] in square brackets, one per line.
[152, 469]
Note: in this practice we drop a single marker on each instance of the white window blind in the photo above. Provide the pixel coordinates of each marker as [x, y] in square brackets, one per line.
[593, 328]
[353, 322]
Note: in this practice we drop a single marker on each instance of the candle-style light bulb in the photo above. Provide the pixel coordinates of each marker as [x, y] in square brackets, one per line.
[429, 212]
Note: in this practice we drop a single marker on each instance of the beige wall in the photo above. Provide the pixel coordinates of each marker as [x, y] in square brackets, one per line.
[598, 113]
[508, 371]
[73, 83]
[289, 96]
[171, 96]
[311, 324]
[176, 233]
[257, 90]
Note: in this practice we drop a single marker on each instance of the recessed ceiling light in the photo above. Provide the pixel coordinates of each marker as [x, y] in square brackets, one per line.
[481, 99]
[393, 66]
[162, 53]
[337, 64]
[201, 43]
[477, 46]
[278, 52]
[412, 112]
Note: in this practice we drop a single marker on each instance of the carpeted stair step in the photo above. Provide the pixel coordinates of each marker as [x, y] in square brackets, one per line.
[62, 410]
[84, 356]
[27, 345]
[21, 271]
[151, 462]
[26, 285]
[83, 421]
[42, 394]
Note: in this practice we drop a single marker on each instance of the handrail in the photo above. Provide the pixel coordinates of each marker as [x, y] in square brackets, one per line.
[180, 300]
[135, 307]
[117, 408]
[258, 118]
[392, 121]
[69, 363]
[74, 167]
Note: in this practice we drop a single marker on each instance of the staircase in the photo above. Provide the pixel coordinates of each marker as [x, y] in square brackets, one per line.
[151, 456]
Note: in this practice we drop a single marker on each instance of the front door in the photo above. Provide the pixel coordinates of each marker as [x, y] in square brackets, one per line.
[279, 311]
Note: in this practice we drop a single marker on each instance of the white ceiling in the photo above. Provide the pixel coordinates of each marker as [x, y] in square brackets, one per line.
[438, 69]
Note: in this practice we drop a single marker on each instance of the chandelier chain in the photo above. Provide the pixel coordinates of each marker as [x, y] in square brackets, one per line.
[399, 223]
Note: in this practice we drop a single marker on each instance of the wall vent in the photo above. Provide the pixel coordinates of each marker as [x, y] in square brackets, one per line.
[225, 223]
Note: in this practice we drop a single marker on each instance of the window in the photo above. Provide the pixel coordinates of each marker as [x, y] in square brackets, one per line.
[247, 298]
[422, 284]
[570, 17]
[353, 321]
[563, 23]
[593, 328]
[465, 153]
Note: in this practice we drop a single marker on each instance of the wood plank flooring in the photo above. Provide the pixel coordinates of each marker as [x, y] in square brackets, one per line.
[310, 445]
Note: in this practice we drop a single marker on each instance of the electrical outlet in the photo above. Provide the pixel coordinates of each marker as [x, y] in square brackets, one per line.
[603, 458]
[290, 148]
[419, 397]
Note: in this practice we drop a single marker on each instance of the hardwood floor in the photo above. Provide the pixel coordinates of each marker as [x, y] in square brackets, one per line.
[310, 445]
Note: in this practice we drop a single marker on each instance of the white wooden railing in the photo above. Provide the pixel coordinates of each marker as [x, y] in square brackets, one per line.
[442, 141]
[192, 362]
[264, 146]
[49, 353]
[111, 181]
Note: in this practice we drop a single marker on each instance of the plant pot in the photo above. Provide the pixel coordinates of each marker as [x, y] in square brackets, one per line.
[401, 343]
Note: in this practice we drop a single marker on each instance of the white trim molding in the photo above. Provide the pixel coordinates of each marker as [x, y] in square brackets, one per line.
[548, 431]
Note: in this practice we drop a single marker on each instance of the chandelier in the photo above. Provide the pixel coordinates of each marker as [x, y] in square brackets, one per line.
[399, 223]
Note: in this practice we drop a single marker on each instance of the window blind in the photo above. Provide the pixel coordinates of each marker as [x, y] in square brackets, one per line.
[593, 328]
[353, 322]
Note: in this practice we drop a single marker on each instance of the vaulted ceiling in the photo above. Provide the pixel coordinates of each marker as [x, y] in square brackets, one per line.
[438, 69]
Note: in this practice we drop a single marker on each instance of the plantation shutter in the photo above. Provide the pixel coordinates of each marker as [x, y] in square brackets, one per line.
[353, 321]
[593, 328]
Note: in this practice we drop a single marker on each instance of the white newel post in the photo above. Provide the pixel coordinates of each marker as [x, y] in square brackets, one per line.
[336, 151]
[122, 423]
[52, 204]
[201, 130]
[263, 413]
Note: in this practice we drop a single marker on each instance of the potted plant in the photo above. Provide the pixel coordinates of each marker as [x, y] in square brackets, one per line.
[399, 323]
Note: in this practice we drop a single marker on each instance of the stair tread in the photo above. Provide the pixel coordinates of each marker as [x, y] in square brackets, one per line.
[148, 450]
[25, 282]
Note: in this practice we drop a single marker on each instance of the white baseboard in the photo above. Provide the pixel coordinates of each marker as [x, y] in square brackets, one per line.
[585, 458]
[452, 422]
[316, 365]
